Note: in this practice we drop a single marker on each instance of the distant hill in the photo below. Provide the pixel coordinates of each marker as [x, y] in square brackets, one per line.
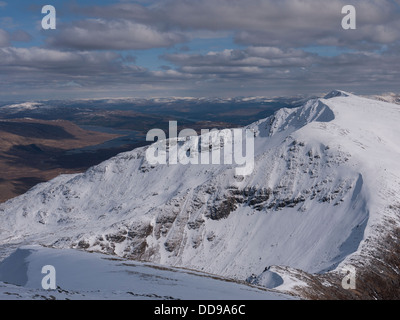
[30, 149]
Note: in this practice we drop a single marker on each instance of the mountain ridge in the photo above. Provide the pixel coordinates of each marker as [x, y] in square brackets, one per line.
[321, 191]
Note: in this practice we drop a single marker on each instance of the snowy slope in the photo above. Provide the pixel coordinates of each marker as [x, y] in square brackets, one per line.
[23, 107]
[78, 273]
[325, 175]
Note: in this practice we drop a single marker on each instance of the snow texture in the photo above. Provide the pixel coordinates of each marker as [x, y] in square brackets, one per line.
[81, 275]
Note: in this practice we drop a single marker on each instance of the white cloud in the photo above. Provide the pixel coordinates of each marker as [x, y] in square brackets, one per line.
[258, 57]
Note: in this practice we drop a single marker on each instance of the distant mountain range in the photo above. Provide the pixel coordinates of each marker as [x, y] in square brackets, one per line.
[112, 112]
[41, 139]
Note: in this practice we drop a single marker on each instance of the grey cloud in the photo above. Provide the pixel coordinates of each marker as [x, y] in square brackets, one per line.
[273, 62]
[184, 48]
[36, 57]
[252, 57]
[33, 70]
[284, 23]
[4, 38]
[36, 69]
[294, 69]
[218, 73]
[21, 36]
[97, 34]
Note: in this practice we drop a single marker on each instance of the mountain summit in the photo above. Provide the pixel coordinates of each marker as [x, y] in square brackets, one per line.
[324, 188]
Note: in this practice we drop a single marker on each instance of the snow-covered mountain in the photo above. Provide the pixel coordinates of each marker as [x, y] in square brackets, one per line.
[325, 184]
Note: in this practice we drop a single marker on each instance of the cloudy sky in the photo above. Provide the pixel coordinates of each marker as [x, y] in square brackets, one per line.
[226, 48]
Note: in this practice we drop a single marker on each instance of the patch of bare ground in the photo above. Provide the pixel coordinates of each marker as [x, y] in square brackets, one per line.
[377, 272]
[28, 148]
